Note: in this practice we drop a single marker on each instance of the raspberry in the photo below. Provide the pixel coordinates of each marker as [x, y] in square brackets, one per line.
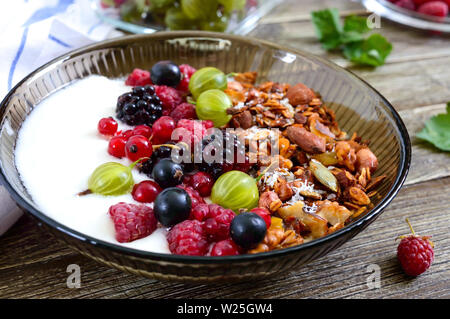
[169, 97]
[188, 238]
[132, 221]
[217, 223]
[187, 72]
[406, 4]
[434, 8]
[420, 2]
[138, 78]
[415, 253]
[184, 111]
[196, 199]
[200, 212]
[192, 131]
[201, 182]
[225, 247]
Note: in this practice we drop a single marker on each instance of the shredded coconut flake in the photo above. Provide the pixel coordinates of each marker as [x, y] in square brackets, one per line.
[239, 106]
[312, 209]
[254, 131]
[270, 178]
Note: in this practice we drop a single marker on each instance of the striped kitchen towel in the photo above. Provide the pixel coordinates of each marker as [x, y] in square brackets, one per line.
[33, 32]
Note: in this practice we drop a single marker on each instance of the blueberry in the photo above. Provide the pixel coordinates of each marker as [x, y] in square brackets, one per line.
[167, 173]
[165, 73]
[172, 206]
[248, 230]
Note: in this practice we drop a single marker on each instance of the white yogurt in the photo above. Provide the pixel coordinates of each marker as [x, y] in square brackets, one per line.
[58, 148]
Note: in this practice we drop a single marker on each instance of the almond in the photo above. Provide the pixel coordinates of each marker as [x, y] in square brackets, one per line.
[307, 141]
[299, 94]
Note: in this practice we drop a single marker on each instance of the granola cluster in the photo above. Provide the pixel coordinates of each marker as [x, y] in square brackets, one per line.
[319, 179]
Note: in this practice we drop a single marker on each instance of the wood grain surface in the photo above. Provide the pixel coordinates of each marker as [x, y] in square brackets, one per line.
[416, 80]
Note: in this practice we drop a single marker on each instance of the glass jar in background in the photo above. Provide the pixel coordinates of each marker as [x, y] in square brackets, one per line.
[148, 16]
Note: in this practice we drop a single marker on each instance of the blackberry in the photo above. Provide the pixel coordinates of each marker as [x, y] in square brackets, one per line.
[229, 158]
[140, 106]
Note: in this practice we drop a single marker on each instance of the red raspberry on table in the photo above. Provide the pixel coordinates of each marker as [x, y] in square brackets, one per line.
[415, 253]
[218, 221]
[188, 238]
[187, 72]
[196, 199]
[132, 221]
[434, 8]
[406, 4]
[169, 97]
[184, 111]
[138, 78]
[225, 247]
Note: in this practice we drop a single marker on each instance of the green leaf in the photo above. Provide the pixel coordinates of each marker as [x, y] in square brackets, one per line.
[372, 51]
[350, 36]
[328, 27]
[357, 24]
[437, 130]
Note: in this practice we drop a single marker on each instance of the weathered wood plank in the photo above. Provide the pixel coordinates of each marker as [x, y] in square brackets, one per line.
[342, 273]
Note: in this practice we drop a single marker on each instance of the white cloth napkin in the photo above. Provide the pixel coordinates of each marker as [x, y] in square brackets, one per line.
[33, 32]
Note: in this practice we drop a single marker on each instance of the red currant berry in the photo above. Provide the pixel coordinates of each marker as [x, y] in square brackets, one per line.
[137, 147]
[202, 182]
[162, 129]
[146, 191]
[127, 134]
[116, 146]
[143, 130]
[107, 126]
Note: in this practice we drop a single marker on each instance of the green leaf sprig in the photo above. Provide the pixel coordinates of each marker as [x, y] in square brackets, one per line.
[349, 38]
[437, 130]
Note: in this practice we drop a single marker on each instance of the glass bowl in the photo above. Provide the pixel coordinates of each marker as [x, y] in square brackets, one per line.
[406, 17]
[357, 105]
[241, 23]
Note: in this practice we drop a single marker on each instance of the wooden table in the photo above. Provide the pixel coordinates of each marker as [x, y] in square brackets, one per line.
[416, 79]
